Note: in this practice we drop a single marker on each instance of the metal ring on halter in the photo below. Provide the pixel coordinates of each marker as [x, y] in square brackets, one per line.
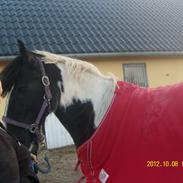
[33, 128]
[45, 80]
[46, 99]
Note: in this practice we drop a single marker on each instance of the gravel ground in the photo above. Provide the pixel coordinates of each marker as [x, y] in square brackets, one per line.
[63, 161]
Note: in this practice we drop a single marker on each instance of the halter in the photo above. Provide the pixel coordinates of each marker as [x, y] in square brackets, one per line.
[34, 127]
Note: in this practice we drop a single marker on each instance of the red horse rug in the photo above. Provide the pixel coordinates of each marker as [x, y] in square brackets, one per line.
[140, 139]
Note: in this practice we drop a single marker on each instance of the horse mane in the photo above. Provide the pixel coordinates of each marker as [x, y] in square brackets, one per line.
[9, 75]
[74, 66]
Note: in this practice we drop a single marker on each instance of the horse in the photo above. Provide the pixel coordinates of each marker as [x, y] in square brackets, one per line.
[122, 132]
[14, 160]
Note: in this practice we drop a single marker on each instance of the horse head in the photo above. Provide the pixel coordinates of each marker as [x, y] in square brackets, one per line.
[24, 82]
[80, 93]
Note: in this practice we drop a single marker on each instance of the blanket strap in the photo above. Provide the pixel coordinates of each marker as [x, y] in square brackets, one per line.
[80, 179]
[77, 165]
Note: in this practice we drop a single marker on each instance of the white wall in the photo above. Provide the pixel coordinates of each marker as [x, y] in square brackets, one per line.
[56, 134]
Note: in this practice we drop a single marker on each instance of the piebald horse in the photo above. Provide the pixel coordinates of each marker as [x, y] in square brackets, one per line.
[122, 132]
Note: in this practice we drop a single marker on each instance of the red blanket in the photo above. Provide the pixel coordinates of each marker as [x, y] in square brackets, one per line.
[140, 139]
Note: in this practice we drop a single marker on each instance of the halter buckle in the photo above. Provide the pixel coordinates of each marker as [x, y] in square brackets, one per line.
[45, 80]
[33, 128]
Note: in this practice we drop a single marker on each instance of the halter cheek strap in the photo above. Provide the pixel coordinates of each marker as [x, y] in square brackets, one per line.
[34, 127]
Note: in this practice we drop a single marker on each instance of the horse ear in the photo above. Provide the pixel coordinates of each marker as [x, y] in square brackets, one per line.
[23, 50]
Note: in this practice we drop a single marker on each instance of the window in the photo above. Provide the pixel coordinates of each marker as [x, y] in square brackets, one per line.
[135, 73]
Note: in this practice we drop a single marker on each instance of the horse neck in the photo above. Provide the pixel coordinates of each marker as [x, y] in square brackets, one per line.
[87, 97]
[88, 86]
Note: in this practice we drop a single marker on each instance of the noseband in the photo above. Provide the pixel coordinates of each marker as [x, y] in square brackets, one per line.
[34, 128]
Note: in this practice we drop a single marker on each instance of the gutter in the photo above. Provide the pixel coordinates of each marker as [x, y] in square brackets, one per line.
[7, 58]
[108, 55]
[127, 54]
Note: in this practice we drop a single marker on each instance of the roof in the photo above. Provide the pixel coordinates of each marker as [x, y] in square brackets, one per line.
[92, 26]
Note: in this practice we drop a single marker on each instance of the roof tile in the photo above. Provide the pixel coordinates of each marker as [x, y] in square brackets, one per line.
[92, 26]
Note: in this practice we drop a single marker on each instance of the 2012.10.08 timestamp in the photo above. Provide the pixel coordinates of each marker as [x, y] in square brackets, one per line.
[164, 164]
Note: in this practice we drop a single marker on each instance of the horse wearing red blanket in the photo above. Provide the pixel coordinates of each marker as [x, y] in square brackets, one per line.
[123, 133]
[140, 139]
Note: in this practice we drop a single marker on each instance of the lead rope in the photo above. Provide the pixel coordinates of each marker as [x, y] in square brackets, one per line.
[36, 167]
[46, 159]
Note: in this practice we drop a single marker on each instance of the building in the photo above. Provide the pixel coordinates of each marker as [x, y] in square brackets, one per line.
[139, 41]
